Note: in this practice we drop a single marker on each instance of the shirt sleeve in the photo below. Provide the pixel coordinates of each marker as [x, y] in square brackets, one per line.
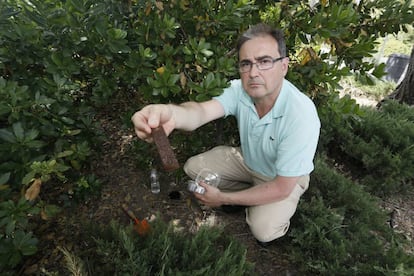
[230, 97]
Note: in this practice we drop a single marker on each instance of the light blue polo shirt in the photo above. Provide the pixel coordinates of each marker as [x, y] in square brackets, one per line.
[284, 141]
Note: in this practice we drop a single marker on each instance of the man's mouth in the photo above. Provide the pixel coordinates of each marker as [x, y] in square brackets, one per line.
[253, 83]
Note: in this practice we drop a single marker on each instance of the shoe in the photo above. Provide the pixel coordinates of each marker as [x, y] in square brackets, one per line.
[281, 241]
[264, 244]
[231, 209]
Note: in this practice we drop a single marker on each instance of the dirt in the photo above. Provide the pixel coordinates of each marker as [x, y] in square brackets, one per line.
[124, 182]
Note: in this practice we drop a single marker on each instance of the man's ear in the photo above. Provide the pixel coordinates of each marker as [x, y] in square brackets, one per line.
[285, 65]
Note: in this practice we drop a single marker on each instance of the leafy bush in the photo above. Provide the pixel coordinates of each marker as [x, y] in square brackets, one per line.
[46, 127]
[88, 51]
[59, 60]
[15, 241]
[323, 36]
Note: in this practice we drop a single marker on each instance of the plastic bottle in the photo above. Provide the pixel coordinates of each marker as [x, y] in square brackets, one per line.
[155, 183]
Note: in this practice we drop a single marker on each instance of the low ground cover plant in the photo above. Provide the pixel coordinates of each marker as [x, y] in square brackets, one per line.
[166, 251]
[163, 250]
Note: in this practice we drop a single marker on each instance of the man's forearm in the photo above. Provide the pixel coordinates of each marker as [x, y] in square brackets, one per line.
[191, 115]
[265, 193]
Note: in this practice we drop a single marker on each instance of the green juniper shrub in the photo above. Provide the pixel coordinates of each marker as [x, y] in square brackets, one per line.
[384, 144]
[166, 251]
[341, 229]
[374, 146]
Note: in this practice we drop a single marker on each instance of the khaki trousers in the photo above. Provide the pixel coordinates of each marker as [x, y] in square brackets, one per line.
[267, 222]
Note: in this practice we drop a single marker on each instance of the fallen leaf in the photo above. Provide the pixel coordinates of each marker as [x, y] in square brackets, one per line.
[127, 198]
[33, 191]
[148, 9]
[43, 215]
[183, 80]
[31, 270]
[160, 70]
[199, 69]
[159, 5]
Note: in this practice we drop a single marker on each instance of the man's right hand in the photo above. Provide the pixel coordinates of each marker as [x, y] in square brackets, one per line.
[153, 116]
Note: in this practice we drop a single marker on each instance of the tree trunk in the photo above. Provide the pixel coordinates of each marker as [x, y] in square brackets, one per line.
[404, 93]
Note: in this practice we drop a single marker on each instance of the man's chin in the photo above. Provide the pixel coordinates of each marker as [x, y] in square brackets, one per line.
[255, 93]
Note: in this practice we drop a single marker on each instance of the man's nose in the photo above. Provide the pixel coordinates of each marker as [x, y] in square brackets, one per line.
[254, 70]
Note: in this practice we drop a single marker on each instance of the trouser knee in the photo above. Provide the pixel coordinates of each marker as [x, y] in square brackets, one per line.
[191, 168]
[267, 230]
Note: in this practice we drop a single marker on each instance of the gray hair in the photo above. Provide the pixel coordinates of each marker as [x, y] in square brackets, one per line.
[262, 29]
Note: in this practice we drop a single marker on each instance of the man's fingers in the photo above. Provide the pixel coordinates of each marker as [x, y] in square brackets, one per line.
[154, 120]
[150, 117]
[159, 115]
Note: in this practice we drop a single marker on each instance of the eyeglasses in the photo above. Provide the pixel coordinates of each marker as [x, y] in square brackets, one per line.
[262, 64]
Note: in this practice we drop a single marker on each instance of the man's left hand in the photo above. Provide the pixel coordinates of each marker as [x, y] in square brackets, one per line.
[211, 196]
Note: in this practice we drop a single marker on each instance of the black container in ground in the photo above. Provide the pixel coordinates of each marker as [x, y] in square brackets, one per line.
[395, 66]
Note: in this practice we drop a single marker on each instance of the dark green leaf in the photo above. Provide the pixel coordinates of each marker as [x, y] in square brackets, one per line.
[18, 131]
[7, 136]
[4, 178]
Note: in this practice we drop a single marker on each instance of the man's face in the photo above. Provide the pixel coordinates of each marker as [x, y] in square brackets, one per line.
[262, 84]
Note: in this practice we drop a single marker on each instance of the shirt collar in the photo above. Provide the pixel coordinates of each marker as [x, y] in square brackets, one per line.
[278, 108]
